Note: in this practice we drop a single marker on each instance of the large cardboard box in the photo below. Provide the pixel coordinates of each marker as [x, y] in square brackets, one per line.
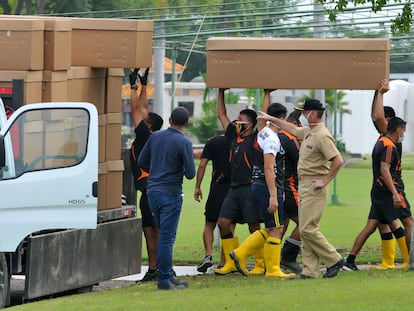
[21, 44]
[290, 63]
[32, 81]
[57, 44]
[114, 175]
[110, 175]
[57, 40]
[113, 136]
[111, 43]
[87, 84]
[102, 170]
[113, 95]
[101, 138]
[55, 86]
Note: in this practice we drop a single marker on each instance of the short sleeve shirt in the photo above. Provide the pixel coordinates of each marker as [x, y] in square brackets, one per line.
[386, 151]
[142, 134]
[217, 149]
[316, 150]
[267, 143]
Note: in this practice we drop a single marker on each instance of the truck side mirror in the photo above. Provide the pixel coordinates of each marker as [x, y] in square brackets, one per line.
[2, 153]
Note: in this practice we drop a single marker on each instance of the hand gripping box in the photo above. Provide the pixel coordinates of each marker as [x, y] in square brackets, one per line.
[111, 43]
[291, 63]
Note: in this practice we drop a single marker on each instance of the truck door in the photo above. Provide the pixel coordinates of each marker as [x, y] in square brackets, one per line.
[50, 178]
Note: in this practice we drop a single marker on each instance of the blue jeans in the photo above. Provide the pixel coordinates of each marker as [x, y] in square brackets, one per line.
[166, 209]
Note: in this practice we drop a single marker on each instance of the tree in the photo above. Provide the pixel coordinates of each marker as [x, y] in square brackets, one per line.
[400, 24]
[207, 126]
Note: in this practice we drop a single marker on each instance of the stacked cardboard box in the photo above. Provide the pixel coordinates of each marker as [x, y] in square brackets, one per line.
[76, 59]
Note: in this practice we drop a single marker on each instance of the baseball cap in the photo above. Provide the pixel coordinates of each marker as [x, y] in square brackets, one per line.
[311, 104]
[179, 116]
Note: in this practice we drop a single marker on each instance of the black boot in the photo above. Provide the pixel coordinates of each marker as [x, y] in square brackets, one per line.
[290, 252]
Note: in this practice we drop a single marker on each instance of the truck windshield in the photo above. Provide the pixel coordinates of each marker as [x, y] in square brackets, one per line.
[46, 139]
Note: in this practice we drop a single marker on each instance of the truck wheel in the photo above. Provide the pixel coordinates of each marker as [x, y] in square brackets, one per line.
[4, 281]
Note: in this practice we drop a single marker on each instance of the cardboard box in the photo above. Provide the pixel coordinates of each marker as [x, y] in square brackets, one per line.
[111, 43]
[113, 136]
[102, 186]
[102, 138]
[113, 96]
[279, 63]
[110, 175]
[114, 179]
[57, 44]
[21, 44]
[87, 84]
[32, 81]
[55, 86]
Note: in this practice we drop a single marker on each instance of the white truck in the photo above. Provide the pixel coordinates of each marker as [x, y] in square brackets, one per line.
[50, 230]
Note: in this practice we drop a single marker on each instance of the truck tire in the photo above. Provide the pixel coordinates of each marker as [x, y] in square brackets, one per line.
[4, 281]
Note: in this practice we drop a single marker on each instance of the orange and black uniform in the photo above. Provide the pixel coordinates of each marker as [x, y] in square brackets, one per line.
[382, 208]
[239, 204]
[217, 150]
[291, 147]
[142, 134]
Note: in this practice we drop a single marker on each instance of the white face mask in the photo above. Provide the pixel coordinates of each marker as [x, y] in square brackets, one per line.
[304, 120]
[400, 139]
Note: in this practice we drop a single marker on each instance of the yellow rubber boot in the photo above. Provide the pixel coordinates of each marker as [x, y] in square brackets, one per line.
[259, 265]
[388, 254]
[272, 259]
[402, 244]
[228, 246]
[252, 244]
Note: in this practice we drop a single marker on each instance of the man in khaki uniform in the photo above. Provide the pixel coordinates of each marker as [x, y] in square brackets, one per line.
[319, 162]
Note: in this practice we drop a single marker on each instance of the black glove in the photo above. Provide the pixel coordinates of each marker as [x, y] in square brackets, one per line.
[133, 78]
[144, 79]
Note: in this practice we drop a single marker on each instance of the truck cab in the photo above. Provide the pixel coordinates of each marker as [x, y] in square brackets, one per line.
[50, 229]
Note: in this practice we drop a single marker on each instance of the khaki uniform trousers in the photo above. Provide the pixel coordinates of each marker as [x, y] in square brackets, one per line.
[315, 246]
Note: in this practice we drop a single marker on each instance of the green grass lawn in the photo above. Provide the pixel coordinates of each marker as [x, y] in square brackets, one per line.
[362, 290]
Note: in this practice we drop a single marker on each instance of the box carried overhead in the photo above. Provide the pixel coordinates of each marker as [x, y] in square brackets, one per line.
[291, 63]
[115, 43]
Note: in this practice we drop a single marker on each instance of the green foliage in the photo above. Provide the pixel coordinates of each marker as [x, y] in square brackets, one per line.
[401, 24]
[207, 126]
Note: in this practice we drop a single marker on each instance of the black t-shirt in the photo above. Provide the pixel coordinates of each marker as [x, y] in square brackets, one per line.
[217, 149]
[241, 156]
[142, 134]
[291, 147]
[386, 151]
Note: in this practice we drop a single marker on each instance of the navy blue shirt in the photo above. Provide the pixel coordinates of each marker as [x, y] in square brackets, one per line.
[167, 156]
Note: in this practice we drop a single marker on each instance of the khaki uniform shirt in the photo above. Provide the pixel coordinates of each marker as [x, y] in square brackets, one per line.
[316, 149]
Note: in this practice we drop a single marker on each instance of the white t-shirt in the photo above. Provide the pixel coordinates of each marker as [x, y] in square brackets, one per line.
[269, 141]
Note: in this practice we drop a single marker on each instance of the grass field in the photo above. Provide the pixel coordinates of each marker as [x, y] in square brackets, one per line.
[362, 290]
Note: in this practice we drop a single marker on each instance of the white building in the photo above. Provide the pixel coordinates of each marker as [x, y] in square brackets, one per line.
[358, 132]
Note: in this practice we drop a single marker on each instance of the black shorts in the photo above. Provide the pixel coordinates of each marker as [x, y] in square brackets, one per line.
[146, 214]
[240, 205]
[215, 200]
[290, 204]
[382, 207]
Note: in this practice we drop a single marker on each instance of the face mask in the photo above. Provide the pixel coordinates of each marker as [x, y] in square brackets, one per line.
[241, 127]
[303, 120]
[400, 139]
